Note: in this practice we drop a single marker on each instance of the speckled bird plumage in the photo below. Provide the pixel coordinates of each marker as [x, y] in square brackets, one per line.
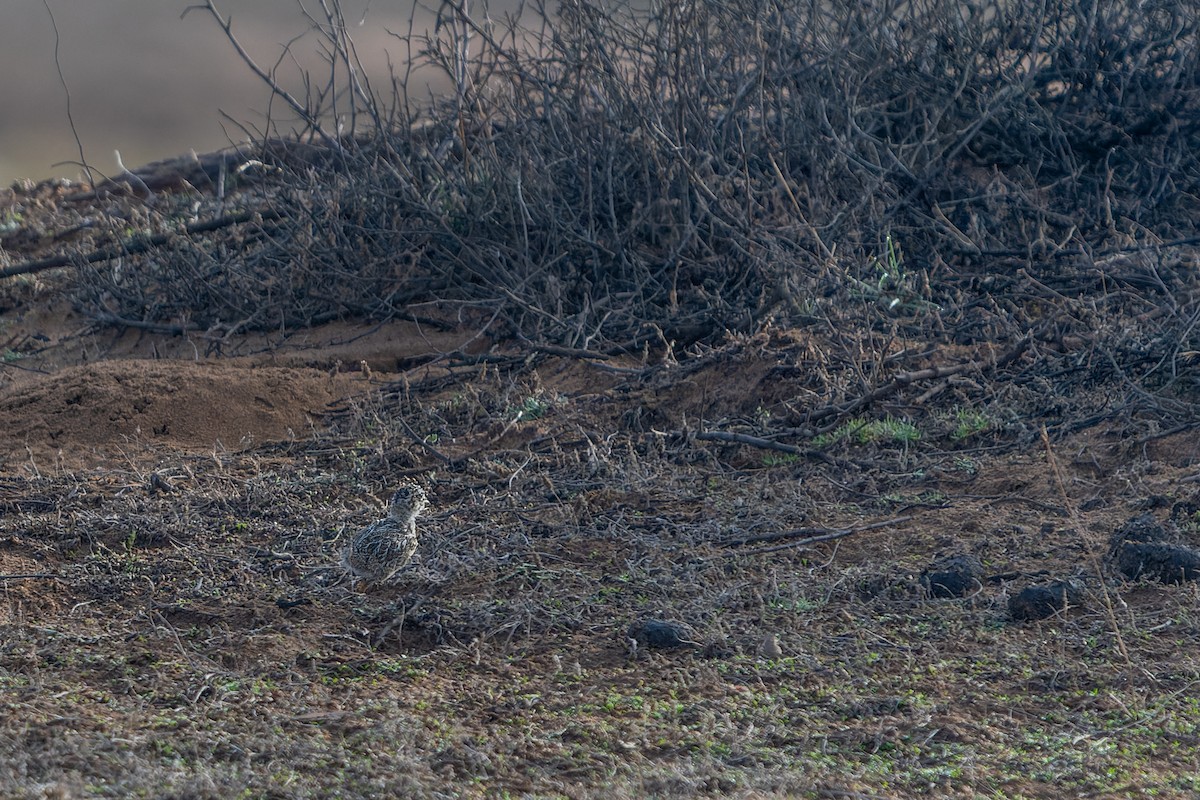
[380, 550]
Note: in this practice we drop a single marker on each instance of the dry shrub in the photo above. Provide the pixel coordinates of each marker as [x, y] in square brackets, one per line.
[611, 173]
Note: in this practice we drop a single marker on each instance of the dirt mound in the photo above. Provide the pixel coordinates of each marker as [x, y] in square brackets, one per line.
[185, 405]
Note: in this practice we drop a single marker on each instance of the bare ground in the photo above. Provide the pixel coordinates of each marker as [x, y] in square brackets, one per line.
[174, 623]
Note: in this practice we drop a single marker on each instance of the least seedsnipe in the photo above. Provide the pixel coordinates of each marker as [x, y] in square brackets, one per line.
[380, 550]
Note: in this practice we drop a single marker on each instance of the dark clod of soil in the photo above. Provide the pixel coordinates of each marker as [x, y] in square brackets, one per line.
[1045, 600]
[955, 576]
[1142, 528]
[1169, 563]
[657, 634]
[1144, 548]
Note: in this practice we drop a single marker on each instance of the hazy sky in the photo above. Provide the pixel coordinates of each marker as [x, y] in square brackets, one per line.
[147, 83]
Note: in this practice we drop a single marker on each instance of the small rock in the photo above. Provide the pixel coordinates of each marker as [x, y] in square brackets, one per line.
[657, 634]
[1169, 563]
[1041, 601]
[955, 576]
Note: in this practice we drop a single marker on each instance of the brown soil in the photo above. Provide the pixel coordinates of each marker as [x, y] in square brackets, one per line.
[82, 395]
[181, 405]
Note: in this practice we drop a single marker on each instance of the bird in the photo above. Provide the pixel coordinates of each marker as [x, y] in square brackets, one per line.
[380, 550]
[769, 649]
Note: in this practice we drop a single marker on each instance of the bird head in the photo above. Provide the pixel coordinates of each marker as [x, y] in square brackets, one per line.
[408, 500]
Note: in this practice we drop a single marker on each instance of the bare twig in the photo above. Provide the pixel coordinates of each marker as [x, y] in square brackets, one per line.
[902, 379]
[767, 444]
[133, 248]
[67, 92]
[1092, 556]
[304, 112]
[424, 445]
[811, 536]
[569, 352]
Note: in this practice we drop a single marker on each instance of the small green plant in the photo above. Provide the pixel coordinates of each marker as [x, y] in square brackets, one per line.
[967, 465]
[890, 267]
[10, 222]
[893, 288]
[860, 431]
[534, 407]
[968, 422]
[891, 429]
[780, 460]
[1190, 523]
[844, 431]
[802, 605]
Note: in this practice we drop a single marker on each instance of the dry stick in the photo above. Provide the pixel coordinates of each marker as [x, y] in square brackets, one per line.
[824, 537]
[153, 327]
[1072, 252]
[426, 446]
[134, 248]
[996, 499]
[67, 92]
[558, 350]
[902, 379]
[31, 575]
[398, 621]
[468, 456]
[767, 444]
[1077, 522]
[268, 78]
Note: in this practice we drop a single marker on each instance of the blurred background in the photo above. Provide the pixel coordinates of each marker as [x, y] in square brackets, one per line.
[152, 85]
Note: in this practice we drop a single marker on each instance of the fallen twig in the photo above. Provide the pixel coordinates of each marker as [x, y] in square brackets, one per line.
[558, 350]
[767, 444]
[133, 248]
[426, 446]
[824, 535]
[145, 325]
[902, 379]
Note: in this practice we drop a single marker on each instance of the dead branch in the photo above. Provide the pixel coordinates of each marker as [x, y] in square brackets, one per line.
[556, 350]
[300, 108]
[137, 324]
[812, 536]
[424, 445]
[902, 379]
[767, 444]
[135, 247]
